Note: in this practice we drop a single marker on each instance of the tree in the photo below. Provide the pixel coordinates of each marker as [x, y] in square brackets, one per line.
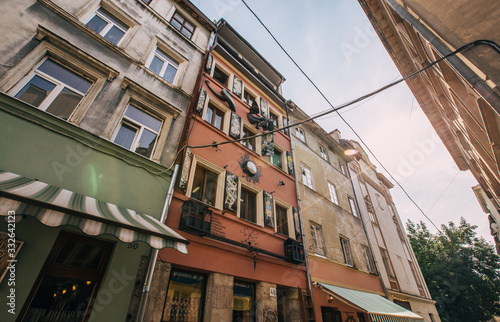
[462, 271]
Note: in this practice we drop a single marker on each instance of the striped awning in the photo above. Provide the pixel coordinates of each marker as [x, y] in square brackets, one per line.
[379, 308]
[56, 207]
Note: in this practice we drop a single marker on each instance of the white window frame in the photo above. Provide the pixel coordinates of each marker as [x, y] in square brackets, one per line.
[289, 214]
[221, 173]
[140, 127]
[110, 24]
[259, 202]
[347, 251]
[369, 261]
[323, 152]
[352, 205]
[300, 133]
[56, 91]
[318, 244]
[158, 52]
[306, 175]
[226, 123]
[333, 193]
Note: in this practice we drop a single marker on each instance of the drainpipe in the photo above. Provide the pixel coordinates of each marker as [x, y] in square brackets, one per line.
[299, 209]
[154, 252]
[366, 233]
[472, 78]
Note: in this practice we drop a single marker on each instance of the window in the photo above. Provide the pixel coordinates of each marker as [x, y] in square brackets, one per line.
[387, 263]
[243, 302]
[370, 264]
[248, 205]
[220, 76]
[317, 238]
[333, 193]
[138, 131]
[185, 297]
[352, 204]
[54, 88]
[214, 116]
[71, 276]
[204, 185]
[249, 98]
[107, 25]
[346, 250]
[415, 275]
[323, 152]
[371, 211]
[300, 134]
[398, 228]
[163, 65]
[181, 24]
[431, 317]
[281, 220]
[275, 118]
[277, 158]
[343, 168]
[306, 176]
[147, 1]
[249, 143]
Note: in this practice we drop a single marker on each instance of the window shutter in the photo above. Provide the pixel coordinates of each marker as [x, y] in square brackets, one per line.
[237, 86]
[285, 123]
[201, 101]
[268, 209]
[235, 129]
[208, 65]
[268, 145]
[188, 156]
[296, 221]
[263, 108]
[231, 192]
[289, 161]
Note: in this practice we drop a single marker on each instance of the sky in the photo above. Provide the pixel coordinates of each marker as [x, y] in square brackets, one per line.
[335, 44]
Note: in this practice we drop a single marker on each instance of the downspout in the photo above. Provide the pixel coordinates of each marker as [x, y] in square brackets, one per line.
[299, 210]
[154, 252]
[472, 78]
[366, 233]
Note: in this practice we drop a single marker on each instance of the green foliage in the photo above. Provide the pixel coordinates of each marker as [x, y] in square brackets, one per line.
[460, 269]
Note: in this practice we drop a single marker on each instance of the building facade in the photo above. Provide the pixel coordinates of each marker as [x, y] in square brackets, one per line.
[459, 95]
[235, 200]
[93, 101]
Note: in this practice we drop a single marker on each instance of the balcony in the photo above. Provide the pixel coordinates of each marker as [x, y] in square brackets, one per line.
[294, 251]
[195, 219]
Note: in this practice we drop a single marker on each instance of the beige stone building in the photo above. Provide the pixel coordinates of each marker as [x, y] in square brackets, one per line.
[460, 95]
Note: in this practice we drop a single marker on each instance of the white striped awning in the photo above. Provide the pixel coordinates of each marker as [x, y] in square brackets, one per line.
[56, 207]
[379, 308]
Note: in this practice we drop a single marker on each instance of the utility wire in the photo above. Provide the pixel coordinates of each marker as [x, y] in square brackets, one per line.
[366, 96]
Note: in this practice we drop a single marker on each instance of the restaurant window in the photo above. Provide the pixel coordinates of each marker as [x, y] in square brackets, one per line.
[204, 185]
[54, 88]
[220, 76]
[181, 24]
[248, 205]
[67, 286]
[185, 297]
[243, 302]
[107, 25]
[138, 131]
[346, 250]
[317, 238]
[281, 220]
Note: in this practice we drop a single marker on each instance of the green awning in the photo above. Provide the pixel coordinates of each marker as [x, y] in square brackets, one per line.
[56, 207]
[379, 308]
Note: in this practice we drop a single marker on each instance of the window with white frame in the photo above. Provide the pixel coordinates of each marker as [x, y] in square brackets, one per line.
[318, 244]
[107, 25]
[333, 193]
[163, 65]
[346, 250]
[54, 88]
[300, 134]
[180, 23]
[323, 152]
[371, 212]
[306, 176]
[367, 254]
[352, 204]
[138, 131]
